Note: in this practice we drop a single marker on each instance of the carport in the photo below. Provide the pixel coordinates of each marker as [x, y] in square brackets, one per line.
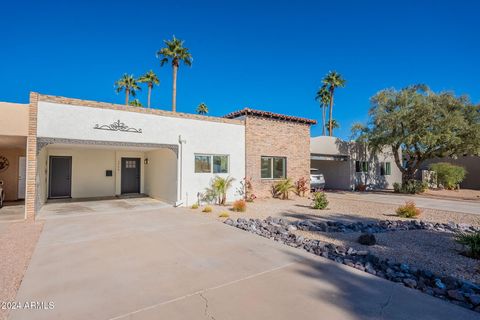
[335, 168]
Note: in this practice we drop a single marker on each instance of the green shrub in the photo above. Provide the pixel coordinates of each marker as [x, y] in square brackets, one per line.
[411, 186]
[471, 241]
[409, 210]
[319, 200]
[282, 188]
[239, 206]
[224, 215]
[448, 175]
[207, 209]
[218, 190]
[195, 206]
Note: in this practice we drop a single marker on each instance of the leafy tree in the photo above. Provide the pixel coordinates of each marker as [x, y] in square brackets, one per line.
[175, 52]
[151, 79]
[332, 81]
[202, 108]
[323, 96]
[422, 125]
[334, 125]
[128, 83]
[135, 103]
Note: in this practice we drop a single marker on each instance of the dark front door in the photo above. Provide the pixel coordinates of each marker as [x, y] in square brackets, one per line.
[60, 185]
[130, 175]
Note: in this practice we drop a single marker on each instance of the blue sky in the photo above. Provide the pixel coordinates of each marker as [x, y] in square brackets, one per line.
[261, 54]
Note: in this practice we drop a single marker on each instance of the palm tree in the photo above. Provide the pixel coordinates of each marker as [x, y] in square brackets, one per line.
[333, 80]
[323, 96]
[175, 52]
[151, 79]
[202, 108]
[128, 83]
[335, 125]
[135, 103]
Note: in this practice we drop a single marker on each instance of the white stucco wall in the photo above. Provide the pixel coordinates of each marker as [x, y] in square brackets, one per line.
[161, 175]
[207, 137]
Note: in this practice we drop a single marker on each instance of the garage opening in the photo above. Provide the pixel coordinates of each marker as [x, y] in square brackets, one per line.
[336, 170]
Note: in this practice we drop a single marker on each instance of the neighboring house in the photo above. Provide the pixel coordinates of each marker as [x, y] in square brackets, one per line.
[86, 149]
[346, 165]
[471, 165]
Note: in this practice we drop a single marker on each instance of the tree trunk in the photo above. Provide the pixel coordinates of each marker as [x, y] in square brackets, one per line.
[174, 89]
[127, 93]
[324, 115]
[149, 94]
[330, 124]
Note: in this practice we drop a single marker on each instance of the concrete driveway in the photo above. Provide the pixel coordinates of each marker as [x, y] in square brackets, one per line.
[464, 206]
[175, 264]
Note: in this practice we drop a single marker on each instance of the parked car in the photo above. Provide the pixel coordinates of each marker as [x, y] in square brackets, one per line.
[317, 181]
[2, 194]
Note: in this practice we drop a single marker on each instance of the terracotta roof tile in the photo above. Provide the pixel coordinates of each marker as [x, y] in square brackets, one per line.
[266, 114]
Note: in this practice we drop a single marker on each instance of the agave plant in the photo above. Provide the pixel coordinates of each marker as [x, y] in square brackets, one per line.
[282, 188]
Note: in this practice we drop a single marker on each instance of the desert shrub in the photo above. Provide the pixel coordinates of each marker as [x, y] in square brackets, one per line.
[410, 186]
[218, 190]
[408, 210]
[448, 175]
[301, 186]
[471, 241]
[195, 206]
[319, 200]
[223, 215]
[246, 190]
[283, 188]
[207, 209]
[239, 206]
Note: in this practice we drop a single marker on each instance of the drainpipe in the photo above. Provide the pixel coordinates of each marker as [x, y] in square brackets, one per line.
[180, 171]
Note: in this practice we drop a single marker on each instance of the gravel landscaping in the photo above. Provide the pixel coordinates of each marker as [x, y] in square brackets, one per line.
[458, 291]
[432, 250]
[17, 241]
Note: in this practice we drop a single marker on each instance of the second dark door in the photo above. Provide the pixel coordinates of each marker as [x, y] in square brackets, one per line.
[60, 184]
[130, 175]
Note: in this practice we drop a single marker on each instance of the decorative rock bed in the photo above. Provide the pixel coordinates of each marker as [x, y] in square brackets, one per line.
[460, 292]
[383, 226]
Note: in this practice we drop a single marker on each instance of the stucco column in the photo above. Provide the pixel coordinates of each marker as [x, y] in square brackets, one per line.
[31, 182]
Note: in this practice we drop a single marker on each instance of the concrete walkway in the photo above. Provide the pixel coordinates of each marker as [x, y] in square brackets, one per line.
[175, 264]
[464, 206]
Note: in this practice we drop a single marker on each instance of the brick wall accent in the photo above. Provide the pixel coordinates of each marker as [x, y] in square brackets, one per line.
[269, 137]
[121, 107]
[31, 183]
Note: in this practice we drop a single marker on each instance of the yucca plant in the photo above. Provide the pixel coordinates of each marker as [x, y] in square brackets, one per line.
[282, 188]
[471, 241]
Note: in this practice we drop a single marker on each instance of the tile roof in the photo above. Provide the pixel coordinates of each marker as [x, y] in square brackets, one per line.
[266, 114]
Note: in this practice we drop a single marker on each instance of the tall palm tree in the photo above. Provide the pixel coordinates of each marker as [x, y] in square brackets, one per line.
[151, 79]
[135, 103]
[202, 108]
[175, 52]
[333, 80]
[323, 96]
[334, 124]
[128, 83]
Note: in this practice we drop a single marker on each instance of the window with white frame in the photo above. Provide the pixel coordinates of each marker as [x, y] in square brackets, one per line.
[385, 168]
[211, 163]
[273, 167]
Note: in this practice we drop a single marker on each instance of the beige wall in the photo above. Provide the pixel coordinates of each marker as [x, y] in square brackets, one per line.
[268, 137]
[10, 176]
[161, 175]
[14, 119]
[88, 171]
[42, 176]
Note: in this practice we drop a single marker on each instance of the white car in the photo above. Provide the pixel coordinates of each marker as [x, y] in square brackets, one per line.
[317, 181]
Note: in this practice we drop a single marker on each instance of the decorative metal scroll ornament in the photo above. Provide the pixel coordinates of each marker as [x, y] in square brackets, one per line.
[4, 163]
[117, 126]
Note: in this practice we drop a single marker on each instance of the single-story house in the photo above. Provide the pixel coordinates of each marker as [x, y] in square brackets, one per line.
[347, 164]
[57, 147]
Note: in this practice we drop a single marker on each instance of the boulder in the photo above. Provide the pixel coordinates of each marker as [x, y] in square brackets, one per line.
[367, 239]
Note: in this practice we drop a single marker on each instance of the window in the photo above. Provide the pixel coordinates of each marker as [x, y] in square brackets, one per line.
[273, 167]
[385, 168]
[361, 166]
[130, 164]
[207, 163]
